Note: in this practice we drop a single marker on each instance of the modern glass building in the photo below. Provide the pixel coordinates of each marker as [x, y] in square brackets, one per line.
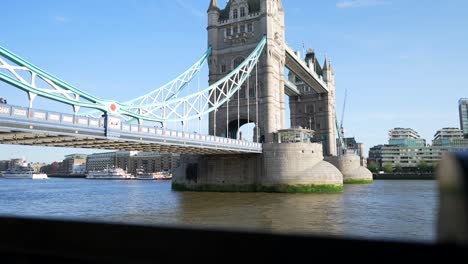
[405, 137]
[463, 109]
[406, 149]
[448, 133]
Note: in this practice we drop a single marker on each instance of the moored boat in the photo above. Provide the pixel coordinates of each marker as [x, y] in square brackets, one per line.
[109, 174]
[23, 171]
[163, 175]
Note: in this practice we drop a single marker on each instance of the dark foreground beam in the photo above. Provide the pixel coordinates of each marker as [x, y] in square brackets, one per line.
[33, 241]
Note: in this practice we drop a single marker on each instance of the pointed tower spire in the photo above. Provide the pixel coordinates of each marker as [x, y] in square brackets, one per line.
[326, 64]
[213, 5]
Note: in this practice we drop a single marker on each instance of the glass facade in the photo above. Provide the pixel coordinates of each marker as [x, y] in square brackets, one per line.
[411, 142]
[463, 109]
[407, 150]
[295, 136]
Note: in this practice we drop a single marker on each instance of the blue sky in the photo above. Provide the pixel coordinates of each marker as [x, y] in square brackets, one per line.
[404, 63]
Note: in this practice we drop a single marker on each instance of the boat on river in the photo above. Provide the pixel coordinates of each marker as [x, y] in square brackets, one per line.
[23, 171]
[162, 175]
[110, 174]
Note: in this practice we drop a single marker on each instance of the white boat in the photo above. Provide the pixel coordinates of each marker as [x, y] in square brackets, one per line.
[23, 172]
[109, 174]
[163, 175]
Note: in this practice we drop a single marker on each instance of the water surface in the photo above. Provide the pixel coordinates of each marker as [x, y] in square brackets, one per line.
[391, 210]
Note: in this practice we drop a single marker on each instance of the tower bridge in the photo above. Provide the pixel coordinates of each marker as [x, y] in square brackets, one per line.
[247, 56]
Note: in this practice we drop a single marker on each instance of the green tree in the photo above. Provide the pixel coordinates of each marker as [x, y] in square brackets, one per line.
[423, 166]
[398, 168]
[372, 166]
[388, 168]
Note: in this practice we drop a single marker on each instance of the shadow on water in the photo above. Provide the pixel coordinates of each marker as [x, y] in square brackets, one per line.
[396, 210]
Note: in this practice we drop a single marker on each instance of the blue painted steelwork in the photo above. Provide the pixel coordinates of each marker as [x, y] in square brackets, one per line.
[209, 99]
[168, 91]
[173, 109]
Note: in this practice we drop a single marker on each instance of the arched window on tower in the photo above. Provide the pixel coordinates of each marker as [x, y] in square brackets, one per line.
[242, 11]
[235, 13]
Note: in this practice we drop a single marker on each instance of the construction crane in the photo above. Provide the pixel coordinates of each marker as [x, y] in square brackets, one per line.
[340, 128]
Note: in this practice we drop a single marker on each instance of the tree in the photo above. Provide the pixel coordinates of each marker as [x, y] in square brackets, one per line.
[388, 168]
[372, 166]
[423, 166]
[398, 168]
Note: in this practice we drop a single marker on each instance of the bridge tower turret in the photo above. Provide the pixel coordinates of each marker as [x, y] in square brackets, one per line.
[329, 78]
[316, 110]
[233, 32]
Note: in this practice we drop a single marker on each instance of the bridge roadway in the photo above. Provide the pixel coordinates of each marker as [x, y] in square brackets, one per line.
[34, 127]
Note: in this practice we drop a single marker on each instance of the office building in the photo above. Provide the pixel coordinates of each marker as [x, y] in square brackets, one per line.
[133, 160]
[406, 149]
[405, 137]
[73, 164]
[463, 110]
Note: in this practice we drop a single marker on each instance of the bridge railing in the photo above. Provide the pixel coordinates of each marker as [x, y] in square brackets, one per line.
[115, 124]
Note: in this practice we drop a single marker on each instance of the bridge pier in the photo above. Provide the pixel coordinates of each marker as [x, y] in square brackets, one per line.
[350, 167]
[287, 168]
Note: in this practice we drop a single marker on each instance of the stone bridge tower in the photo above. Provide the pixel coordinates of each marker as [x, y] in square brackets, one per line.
[233, 33]
[314, 110]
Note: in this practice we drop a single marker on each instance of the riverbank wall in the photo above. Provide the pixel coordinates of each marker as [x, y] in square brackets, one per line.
[404, 176]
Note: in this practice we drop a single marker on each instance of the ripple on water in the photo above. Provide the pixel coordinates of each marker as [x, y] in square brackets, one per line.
[395, 210]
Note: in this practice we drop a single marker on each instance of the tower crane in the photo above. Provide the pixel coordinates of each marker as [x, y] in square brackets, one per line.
[340, 128]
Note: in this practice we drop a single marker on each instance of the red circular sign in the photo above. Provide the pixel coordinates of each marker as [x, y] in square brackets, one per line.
[113, 107]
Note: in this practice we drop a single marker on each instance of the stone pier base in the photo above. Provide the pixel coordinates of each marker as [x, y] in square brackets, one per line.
[281, 168]
[350, 167]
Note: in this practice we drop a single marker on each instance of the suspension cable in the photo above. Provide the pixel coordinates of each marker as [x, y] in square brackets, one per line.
[216, 110]
[164, 112]
[248, 99]
[256, 100]
[199, 108]
[238, 113]
[185, 114]
[227, 119]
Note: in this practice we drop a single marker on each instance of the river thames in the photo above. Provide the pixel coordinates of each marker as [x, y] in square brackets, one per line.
[389, 210]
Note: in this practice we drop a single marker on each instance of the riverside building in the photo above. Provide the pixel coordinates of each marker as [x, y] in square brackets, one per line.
[405, 137]
[463, 110]
[132, 160]
[406, 149]
[73, 164]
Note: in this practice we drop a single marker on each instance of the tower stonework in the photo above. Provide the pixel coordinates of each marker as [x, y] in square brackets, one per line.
[233, 33]
[314, 110]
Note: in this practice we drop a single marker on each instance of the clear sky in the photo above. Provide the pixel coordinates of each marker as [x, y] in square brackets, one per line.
[404, 63]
